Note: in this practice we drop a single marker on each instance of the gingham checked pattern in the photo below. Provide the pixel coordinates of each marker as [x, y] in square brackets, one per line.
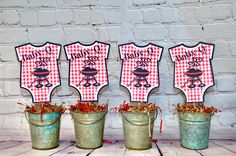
[76, 65]
[28, 66]
[139, 93]
[181, 67]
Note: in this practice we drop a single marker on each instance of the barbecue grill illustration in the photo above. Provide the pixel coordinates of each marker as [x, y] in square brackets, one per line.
[141, 73]
[41, 76]
[194, 76]
[89, 72]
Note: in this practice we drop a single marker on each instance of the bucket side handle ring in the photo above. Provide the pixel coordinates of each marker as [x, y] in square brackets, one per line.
[141, 124]
[90, 122]
[53, 121]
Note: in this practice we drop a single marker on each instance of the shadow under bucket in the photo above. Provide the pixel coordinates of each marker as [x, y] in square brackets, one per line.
[138, 129]
[45, 133]
[89, 129]
[194, 129]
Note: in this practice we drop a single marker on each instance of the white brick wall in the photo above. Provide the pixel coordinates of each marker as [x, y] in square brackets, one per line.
[164, 22]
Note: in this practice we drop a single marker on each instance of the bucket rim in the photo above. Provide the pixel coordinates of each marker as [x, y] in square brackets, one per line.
[43, 113]
[122, 111]
[106, 110]
[203, 113]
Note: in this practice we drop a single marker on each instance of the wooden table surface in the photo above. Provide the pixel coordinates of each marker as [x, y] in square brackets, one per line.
[116, 148]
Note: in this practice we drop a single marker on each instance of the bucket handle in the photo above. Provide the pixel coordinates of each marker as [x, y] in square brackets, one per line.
[141, 124]
[27, 118]
[91, 122]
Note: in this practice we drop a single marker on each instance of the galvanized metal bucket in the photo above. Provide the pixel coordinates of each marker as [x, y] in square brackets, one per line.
[138, 129]
[45, 133]
[89, 128]
[194, 129]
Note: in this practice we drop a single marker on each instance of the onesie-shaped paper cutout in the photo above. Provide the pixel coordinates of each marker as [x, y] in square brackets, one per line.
[140, 73]
[193, 70]
[39, 69]
[88, 70]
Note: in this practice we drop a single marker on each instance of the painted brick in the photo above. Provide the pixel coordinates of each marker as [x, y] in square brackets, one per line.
[46, 18]
[233, 48]
[141, 2]
[203, 13]
[127, 33]
[151, 15]
[81, 34]
[82, 16]
[150, 32]
[234, 11]
[102, 33]
[42, 3]
[7, 54]
[88, 2]
[110, 3]
[168, 15]
[68, 3]
[64, 89]
[221, 65]
[28, 18]
[64, 16]
[221, 101]
[225, 83]
[13, 3]
[11, 88]
[188, 15]
[148, 2]
[1, 18]
[226, 117]
[114, 33]
[114, 16]
[180, 32]
[169, 87]
[220, 31]
[9, 105]
[64, 70]
[45, 34]
[221, 12]
[221, 49]
[134, 16]
[97, 17]
[1, 89]
[183, 1]
[10, 70]
[12, 35]
[10, 17]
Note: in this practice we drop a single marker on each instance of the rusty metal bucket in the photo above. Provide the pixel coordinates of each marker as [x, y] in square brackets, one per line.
[194, 129]
[138, 129]
[89, 128]
[45, 133]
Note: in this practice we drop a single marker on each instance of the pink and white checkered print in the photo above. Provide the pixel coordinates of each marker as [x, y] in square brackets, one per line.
[39, 69]
[193, 71]
[140, 73]
[88, 71]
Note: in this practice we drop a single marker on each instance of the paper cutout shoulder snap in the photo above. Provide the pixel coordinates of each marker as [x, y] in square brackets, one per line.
[193, 70]
[140, 73]
[39, 69]
[88, 70]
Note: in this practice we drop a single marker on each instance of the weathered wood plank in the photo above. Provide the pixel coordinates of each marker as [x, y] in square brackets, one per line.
[63, 145]
[215, 150]
[72, 150]
[110, 148]
[227, 144]
[10, 144]
[173, 148]
[15, 150]
[150, 152]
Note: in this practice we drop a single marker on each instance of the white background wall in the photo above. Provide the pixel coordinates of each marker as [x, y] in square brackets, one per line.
[163, 22]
